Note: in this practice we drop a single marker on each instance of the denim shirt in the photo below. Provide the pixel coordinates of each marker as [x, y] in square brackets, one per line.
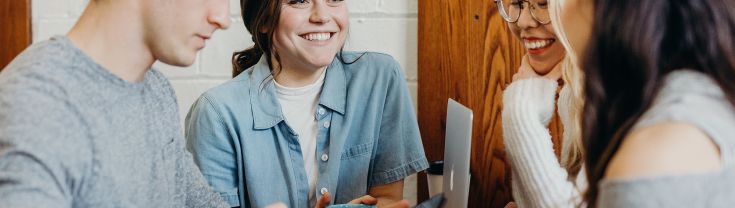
[368, 135]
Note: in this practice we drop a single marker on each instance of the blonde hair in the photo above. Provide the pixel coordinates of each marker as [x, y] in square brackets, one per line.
[574, 80]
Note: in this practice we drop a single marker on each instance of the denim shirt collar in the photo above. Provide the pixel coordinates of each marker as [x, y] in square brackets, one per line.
[267, 110]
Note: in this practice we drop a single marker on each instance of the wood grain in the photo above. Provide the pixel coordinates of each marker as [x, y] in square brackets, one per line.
[467, 53]
[15, 24]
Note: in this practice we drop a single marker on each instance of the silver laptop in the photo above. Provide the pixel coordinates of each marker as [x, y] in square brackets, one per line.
[457, 143]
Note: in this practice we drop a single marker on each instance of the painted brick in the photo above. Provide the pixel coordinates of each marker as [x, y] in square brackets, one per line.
[399, 7]
[46, 28]
[362, 6]
[217, 55]
[50, 9]
[77, 7]
[394, 36]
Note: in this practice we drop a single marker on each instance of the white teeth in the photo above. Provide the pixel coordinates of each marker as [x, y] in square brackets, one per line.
[536, 44]
[317, 36]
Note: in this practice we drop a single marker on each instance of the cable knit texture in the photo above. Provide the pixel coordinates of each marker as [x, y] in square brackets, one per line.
[539, 180]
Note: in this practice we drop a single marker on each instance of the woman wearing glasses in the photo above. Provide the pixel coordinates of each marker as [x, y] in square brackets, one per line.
[539, 179]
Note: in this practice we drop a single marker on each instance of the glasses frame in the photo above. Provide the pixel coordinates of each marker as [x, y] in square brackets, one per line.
[499, 4]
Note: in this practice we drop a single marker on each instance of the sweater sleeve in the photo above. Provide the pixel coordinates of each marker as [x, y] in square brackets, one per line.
[538, 178]
[44, 151]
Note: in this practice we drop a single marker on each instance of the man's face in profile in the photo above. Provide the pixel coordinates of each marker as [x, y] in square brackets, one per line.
[175, 30]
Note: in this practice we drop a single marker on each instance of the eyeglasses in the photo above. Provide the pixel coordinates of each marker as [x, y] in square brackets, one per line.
[511, 10]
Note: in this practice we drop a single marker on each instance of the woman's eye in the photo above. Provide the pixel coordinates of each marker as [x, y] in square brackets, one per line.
[297, 2]
[301, 4]
[335, 2]
[542, 5]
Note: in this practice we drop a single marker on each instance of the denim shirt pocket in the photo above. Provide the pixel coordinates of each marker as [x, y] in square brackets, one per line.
[354, 172]
[357, 151]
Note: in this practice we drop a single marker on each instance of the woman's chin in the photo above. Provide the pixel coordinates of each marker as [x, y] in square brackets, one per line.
[542, 67]
[321, 62]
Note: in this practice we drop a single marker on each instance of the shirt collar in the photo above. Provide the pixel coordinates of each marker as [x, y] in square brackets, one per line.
[264, 101]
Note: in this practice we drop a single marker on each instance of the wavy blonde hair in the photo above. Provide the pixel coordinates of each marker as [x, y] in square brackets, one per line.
[572, 75]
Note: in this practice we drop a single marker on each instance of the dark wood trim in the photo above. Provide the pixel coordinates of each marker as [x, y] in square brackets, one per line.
[15, 29]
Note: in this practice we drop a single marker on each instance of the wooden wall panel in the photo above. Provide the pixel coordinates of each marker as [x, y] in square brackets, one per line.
[15, 29]
[467, 53]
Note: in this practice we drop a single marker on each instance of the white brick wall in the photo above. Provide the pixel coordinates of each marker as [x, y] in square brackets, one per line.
[388, 26]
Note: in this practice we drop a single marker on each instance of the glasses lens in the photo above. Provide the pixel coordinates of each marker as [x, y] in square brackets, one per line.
[510, 9]
[540, 11]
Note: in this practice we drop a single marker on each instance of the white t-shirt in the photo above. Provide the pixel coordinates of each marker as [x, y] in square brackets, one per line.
[299, 109]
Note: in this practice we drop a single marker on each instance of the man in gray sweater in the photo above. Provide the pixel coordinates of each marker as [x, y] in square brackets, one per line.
[85, 122]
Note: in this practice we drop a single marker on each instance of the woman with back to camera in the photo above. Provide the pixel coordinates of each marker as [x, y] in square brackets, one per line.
[659, 100]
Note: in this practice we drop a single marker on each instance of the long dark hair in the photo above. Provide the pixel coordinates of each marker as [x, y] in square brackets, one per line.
[633, 46]
[259, 16]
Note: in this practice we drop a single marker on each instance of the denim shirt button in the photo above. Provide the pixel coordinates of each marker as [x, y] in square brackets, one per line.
[322, 111]
[324, 191]
[325, 157]
[326, 124]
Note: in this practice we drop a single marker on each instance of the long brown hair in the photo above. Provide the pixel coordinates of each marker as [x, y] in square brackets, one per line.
[260, 18]
[633, 46]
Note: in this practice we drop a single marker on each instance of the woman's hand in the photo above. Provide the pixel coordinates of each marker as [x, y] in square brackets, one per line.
[525, 71]
[323, 201]
[367, 200]
[277, 205]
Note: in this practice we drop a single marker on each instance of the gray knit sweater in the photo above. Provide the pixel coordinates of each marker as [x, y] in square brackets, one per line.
[74, 135]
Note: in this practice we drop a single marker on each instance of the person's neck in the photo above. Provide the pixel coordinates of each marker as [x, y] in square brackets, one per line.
[542, 68]
[111, 38]
[297, 77]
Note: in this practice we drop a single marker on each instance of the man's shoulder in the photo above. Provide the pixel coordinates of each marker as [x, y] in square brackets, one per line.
[39, 79]
[44, 65]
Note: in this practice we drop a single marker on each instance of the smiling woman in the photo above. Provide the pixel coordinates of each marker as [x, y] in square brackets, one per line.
[530, 22]
[529, 103]
[15, 22]
[304, 122]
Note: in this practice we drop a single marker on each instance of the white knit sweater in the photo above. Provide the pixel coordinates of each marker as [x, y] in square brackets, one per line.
[538, 180]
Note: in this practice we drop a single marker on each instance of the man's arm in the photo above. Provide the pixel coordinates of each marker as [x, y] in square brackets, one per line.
[43, 151]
